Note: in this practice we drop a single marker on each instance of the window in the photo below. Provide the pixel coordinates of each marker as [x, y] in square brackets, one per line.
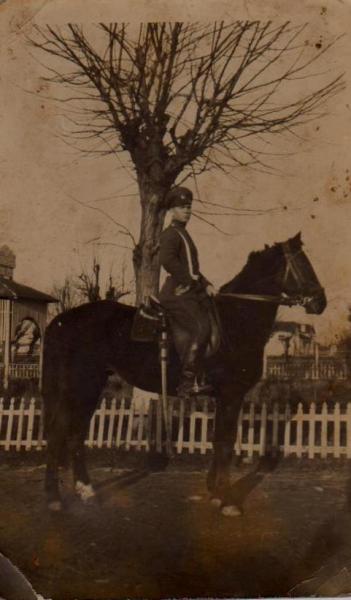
[26, 343]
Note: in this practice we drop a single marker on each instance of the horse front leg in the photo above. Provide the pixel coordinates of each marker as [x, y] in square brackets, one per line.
[218, 480]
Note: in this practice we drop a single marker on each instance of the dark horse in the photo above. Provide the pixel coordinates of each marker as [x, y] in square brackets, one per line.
[83, 344]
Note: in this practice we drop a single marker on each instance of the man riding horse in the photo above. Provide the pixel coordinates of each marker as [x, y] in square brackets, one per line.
[186, 294]
[99, 334]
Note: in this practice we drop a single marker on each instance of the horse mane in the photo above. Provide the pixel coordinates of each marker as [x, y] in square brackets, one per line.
[256, 265]
[259, 264]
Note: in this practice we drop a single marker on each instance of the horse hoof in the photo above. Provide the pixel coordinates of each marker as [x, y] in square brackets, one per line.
[55, 506]
[217, 502]
[85, 491]
[231, 511]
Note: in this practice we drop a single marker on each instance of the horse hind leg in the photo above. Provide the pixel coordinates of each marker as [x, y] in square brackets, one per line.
[56, 447]
[82, 483]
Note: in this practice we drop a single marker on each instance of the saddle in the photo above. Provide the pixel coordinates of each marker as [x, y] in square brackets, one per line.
[151, 319]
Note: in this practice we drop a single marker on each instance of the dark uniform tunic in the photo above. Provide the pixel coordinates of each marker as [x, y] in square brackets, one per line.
[184, 292]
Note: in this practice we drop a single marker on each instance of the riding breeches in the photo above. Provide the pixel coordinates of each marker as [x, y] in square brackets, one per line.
[190, 322]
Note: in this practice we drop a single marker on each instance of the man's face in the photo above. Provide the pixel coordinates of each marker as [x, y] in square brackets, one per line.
[182, 213]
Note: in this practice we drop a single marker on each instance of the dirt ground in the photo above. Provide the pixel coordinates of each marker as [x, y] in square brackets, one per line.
[155, 535]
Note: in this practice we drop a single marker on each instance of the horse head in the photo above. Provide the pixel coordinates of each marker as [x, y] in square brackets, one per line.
[299, 278]
[282, 271]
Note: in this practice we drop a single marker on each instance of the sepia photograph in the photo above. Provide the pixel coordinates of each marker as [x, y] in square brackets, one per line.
[175, 299]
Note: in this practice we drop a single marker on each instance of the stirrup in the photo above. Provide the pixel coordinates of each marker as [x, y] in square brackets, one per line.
[201, 389]
[185, 388]
[194, 389]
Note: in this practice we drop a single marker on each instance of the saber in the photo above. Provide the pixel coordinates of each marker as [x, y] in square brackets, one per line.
[164, 357]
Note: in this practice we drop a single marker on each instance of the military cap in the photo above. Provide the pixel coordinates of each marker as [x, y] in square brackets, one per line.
[179, 196]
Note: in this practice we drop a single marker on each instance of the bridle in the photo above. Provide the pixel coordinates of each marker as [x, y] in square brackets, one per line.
[291, 268]
[291, 265]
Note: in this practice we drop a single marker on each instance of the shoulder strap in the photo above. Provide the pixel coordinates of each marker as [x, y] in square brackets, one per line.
[188, 255]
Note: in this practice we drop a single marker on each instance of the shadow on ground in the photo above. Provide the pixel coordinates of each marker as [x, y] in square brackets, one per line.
[154, 534]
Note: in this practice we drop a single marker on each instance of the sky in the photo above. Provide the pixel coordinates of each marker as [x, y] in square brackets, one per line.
[45, 182]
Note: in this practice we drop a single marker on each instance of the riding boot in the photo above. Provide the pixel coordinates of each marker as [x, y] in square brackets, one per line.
[189, 386]
[189, 371]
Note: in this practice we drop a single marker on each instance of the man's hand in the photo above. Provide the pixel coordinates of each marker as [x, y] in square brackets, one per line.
[211, 291]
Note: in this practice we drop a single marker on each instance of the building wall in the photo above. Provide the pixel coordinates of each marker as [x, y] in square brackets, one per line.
[4, 306]
[301, 341]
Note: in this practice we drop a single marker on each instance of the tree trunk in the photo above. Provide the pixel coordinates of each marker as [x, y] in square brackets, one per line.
[146, 253]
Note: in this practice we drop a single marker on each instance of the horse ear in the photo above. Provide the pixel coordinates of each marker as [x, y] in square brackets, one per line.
[297, 238]
[266, 247]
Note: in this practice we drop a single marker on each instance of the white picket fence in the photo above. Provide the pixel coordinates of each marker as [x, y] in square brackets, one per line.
[24, 371]
[318, 431]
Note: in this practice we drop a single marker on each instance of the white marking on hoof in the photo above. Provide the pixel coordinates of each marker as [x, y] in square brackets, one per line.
[195, 498]
[55, 506]
[85, 491]
[217, 502]
[231, 511]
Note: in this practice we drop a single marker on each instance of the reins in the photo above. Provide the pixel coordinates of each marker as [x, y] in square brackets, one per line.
[282, 300]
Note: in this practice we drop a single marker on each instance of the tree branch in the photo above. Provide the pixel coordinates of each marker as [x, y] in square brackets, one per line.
[181, 95]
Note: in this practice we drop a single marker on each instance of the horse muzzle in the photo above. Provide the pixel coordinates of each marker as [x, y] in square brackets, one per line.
[316, 304]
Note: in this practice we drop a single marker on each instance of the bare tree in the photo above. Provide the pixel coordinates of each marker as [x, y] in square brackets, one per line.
[86, 288]
[89, 284]
[117, 289]
[182, 99]
[66, 294]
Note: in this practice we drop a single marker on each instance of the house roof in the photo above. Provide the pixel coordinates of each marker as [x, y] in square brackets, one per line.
[11, 290]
